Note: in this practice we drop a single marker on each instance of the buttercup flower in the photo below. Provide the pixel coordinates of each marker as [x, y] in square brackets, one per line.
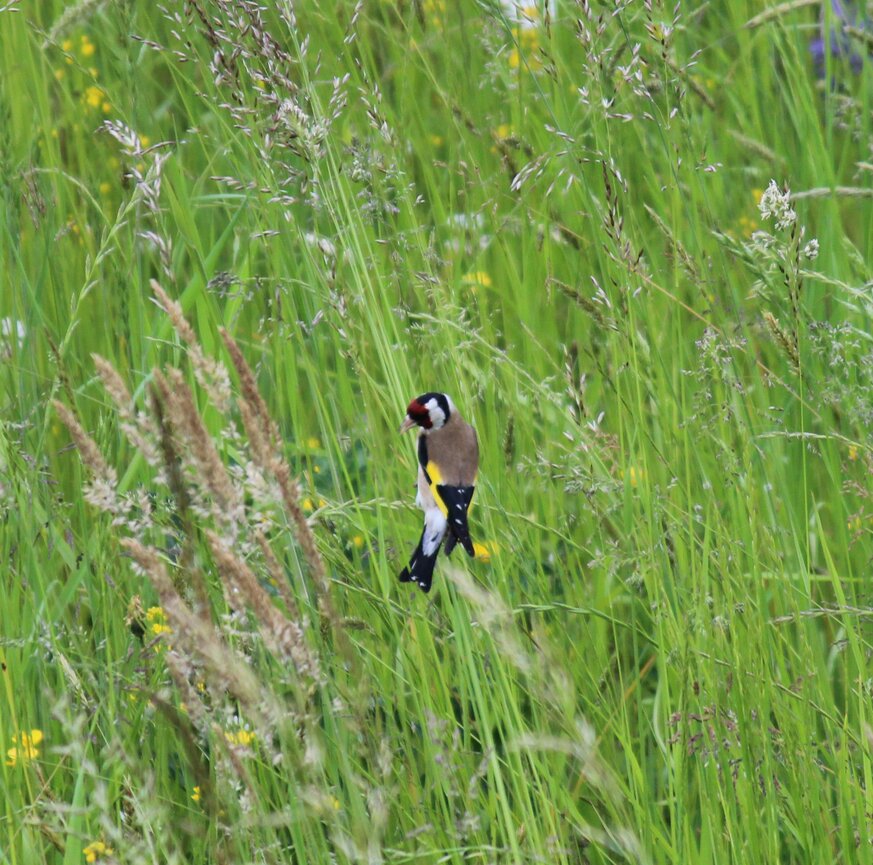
[241, 738]
[96, 851]
[25, 748]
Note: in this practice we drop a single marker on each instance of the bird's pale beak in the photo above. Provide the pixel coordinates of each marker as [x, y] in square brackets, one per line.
[408, 424]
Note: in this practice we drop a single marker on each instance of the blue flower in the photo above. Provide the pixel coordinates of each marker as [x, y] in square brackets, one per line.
[837, 41]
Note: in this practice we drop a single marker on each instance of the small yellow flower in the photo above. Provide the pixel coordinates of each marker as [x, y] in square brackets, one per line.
[477, 278]
[485, 551]
[527, 42]
[358, 541]
[105, 188]
[853, 452]
[87, 49]
[67, 45]
[195, 795]
[240, 738]
[748, 226]
[854, 524]
[634, 475]
[59, 74]
[96, 850]
[94, 96]
[313, 443]
[144, 140]
[436, 140]
[25, 748]
[157, 621]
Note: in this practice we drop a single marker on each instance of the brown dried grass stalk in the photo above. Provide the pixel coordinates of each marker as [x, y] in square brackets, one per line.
[198, 638]
[263, 433]
[139, 431]
[179, 405]
[86, 446]
[282, 637]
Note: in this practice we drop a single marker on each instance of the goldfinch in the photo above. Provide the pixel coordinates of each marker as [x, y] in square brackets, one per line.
[448, 459]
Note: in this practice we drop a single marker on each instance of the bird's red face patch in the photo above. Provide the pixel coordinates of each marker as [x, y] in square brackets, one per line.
[419, 413]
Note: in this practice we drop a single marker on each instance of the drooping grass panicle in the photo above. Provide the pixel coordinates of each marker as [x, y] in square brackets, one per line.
[198, 637]
[210, 471]
[263, 433]
[137, 426]
[283, 637]
[210, 373]
[102, 491]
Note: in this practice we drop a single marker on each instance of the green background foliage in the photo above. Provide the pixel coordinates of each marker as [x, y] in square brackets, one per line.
[663, 654]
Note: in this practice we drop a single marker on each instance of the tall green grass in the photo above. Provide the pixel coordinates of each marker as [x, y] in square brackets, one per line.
[662, 654]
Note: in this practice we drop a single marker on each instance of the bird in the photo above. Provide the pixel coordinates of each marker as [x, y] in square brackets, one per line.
[448, 461]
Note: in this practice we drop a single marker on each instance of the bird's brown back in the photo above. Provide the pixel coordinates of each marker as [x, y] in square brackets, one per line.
[455, 449]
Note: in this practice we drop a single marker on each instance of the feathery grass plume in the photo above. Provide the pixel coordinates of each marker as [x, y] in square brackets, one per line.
[283, 637]
[173, 477]
[70, 17]
[256, 420]
[181, 408]
[182, 670]
[139, 428]
[249, 387]
[278, 576]
[210, 373]
[198, 638]
[102, 491]
[783, 339]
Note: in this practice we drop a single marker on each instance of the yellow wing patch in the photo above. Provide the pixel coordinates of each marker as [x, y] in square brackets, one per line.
[436, 477]
[433, 472]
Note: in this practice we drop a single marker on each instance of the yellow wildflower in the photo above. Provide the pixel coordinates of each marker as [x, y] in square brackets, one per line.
[195, 795]
[477, 278]
[94, 96]
[485, 551]
[313, 443]
[436, 140]
[527, 42]
[157, 620]
[853, 452]
[358, 541]
[634, 475]
[747, 226]
[105, 188]
[87, 47]
[25, 748]
[97, 850]
[240, 738]
[67, 45]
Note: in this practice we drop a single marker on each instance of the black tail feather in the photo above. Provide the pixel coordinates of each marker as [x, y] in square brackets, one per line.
[450, 542]
[457, 501]
[420, 567]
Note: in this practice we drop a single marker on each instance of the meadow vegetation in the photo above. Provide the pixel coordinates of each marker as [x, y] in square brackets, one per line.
[631, 240]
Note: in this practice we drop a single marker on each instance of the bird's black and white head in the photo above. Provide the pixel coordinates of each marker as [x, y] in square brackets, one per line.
[430, 411]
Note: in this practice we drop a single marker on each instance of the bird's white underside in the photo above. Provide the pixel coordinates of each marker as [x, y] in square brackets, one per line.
[434, 530]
